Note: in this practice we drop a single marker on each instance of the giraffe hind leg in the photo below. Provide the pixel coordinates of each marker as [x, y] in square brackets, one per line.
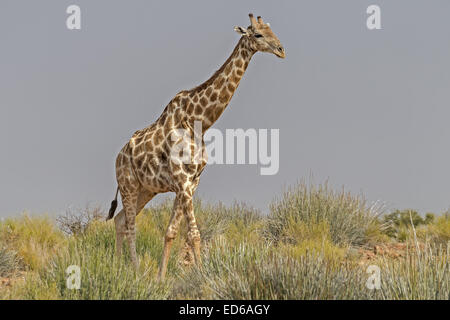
[129, 207]
[121, 231]
[126, 222]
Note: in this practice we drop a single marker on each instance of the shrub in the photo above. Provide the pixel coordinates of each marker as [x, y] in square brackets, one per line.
[313, 239]
[437, 232]
[348, 216]
[399, 222]
[75, 222]
[9, 262]
[35, 239]
[216, 220]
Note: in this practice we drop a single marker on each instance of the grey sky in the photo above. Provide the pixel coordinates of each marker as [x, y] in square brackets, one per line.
[366, 109]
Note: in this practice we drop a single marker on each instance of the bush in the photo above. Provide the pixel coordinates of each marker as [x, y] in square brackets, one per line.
[398, 222]
[348, 217]
[9, 262]
[437, 232]
[35, 239]
[217, 220]
[75, 222]
[313, 239]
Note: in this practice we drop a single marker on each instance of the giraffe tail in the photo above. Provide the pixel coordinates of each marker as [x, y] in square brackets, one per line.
[113, 206]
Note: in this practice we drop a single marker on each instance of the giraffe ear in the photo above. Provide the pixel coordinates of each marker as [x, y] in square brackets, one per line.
[241, 31]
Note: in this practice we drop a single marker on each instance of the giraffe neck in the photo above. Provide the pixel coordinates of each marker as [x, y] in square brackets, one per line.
[209, 100]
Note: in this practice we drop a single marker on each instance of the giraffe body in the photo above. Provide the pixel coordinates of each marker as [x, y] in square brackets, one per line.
[145, 165]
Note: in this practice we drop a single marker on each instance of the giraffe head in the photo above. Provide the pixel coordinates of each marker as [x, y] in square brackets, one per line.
[261, 37]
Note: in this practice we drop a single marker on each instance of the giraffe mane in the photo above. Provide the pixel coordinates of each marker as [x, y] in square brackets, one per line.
[218, 71]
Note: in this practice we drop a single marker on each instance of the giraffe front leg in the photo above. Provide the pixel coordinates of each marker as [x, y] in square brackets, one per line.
[193, 235]
[171, 233]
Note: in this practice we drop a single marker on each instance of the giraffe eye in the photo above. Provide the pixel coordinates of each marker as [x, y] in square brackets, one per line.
[257, 35]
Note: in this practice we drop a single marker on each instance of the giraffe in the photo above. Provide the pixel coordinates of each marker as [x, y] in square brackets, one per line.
[145, 166]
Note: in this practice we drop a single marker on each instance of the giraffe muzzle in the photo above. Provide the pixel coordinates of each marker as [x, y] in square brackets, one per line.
[280, 53]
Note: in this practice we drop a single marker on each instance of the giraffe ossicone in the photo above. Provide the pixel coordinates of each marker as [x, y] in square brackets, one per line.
[146, 165]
